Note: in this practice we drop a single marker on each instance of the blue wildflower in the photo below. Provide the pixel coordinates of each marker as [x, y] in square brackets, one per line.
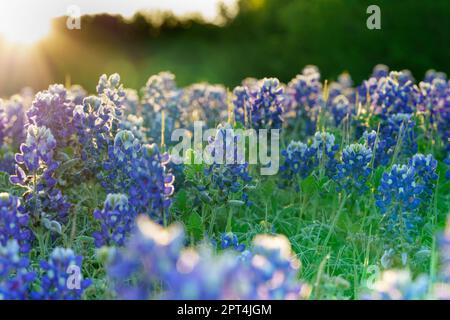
[326, 148]
[62, 278]
[299, 160]
[227, 169]
[425, 167]
[53, 109]
[14, 223]
[15, 277]
[156, 256]
[395, 94]
[399, 197]
[353, 171]
[35, 170]
[230, 240]
[161, 95]
[117, 220]
[266, 104]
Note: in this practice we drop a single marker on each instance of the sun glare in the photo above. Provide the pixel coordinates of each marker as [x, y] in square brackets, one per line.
[23, 26]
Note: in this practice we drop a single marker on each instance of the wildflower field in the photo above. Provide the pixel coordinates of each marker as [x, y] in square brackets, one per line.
[93, 205]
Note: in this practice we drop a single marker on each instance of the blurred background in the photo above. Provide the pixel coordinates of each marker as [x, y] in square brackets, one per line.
[215, 41]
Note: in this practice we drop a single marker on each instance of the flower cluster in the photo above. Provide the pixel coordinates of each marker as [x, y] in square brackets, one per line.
[266, 104]
[306, 91]
[353, 171]
[425, 168]
[399, 198]
[35, 170]
[155, 255]
[15, 278]
[62, 278]
[299, 160]
[326, 148]
[14, 223]
[53, 109]
[204, 102]
[117, 167]
[395, 94]
[117, 220]
[395, 137]
[227, 170]
[161, 95]
[229, 240]
[151, 185]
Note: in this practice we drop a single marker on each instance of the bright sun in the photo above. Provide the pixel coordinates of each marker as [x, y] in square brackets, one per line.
[22, 26]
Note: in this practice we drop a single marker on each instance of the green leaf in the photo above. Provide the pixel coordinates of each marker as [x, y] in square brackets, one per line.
[194, 225]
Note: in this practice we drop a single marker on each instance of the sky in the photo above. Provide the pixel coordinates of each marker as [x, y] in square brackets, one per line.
[29, 20]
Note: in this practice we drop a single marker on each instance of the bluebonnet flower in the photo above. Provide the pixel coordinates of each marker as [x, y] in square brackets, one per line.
[305, 93]
[399, 285]
[117, 167]
[425, 168]
[299, 160]
[62, 278]
[76, 94]
[150, 256]
[135, 124]
[151, 185]
[230, 240]
[111, 88]
[326, 148]
[432, 74]
[395, 94]
[340, 108]
[161, 95]
[399, 198]
[35, 170]
[353, 171]
[367, 89]
[14, 223]
[93, 123]
[377, 147]
[266, 104]
[14, 110]
[15, 277]
[306, 90]
[52, 109]
[156, 256]
[241, 103]
[117, 220]
[131, 102]
[204, 102]
[435, 101]
[396, 136]
[380, 71]
[227, 169]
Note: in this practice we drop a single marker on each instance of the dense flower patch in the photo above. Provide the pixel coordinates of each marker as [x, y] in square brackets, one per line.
[93, 206]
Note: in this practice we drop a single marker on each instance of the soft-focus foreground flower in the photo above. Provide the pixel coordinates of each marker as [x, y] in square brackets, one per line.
[399, 285]
[156, 256]
[15, 277]
[62, 278]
